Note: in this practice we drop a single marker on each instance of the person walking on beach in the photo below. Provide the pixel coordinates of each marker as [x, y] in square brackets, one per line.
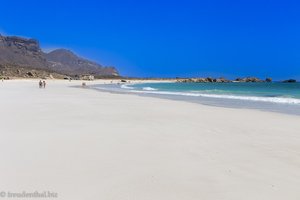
[44, 84]
[40, 84]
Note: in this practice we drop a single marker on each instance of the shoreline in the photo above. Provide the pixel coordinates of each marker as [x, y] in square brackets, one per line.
[207, 101]
[81, 144]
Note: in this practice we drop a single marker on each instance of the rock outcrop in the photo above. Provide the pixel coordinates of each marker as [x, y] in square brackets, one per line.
[290, 81]
[221, 80]
[21, 52]
[249, 79]
[269, 80]
[8, 72]
[203, 80]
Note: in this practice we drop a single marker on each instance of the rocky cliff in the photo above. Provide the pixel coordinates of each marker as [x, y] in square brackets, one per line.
[21, 53]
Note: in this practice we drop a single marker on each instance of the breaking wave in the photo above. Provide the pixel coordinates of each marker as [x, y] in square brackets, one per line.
[126, 87]
[149, 89]
[281, 100]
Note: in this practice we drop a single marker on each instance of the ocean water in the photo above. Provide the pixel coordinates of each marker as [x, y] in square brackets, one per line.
[278, 97]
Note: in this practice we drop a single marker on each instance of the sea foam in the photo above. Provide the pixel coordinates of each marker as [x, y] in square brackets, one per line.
[149, 89]
[280, 100]
[126, 87]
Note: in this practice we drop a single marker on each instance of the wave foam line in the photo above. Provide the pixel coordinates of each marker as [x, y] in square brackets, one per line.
[149, 89]
[247, 98]
[126, 87]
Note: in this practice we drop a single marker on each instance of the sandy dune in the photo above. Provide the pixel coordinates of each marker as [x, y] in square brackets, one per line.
[84, 144]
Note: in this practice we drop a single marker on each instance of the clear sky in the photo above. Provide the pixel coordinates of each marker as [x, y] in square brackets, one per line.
[167, 38]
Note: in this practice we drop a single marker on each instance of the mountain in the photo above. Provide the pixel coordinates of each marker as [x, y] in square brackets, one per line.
[66, 62]
[20, 53]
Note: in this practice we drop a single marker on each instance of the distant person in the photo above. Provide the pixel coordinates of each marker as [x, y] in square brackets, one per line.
[40, 84]
[44, 84]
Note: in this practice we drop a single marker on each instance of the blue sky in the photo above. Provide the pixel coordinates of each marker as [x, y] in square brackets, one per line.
[168, 38]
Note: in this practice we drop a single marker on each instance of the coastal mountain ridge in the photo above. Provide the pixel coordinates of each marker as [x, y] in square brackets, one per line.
[66, 62]
[17, 54]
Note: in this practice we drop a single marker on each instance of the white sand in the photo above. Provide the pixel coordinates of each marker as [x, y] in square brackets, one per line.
[90, 145]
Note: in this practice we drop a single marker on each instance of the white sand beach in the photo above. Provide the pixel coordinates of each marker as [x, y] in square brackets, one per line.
[86, 144]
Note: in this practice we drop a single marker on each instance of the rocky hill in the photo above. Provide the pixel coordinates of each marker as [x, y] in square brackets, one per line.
[66, 62]
[20, 54]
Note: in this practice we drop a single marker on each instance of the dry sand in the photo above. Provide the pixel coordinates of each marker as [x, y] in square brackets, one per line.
[84, 144]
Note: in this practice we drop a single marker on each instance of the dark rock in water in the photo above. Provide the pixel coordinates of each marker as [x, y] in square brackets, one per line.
[238, 79]
[248, 79]
[221, 80]
[268, 80]
[123, 81]
[253, 79]
[290, 81]
[208, 79]
[199, 80]
[203, 80]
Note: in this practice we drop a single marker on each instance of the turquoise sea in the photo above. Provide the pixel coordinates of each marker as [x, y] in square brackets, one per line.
[282, 97]
[267, 92]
